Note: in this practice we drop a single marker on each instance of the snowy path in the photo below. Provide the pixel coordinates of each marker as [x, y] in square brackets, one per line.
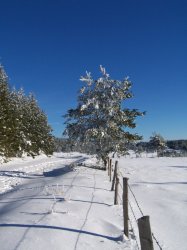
[61, 209]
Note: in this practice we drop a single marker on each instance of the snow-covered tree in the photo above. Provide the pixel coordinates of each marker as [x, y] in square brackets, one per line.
[100, 118]
[157, 143]
[38, 131]
[23, 125]
[7, 116]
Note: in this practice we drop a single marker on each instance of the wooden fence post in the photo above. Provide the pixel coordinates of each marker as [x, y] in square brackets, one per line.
[107, 159]
[108, 166]
[114, 176]
[105, 163]
[110, 170]
[145, 234]
[125, 207]
[116, 191]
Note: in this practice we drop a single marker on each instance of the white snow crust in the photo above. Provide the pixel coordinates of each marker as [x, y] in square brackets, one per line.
[62, 203]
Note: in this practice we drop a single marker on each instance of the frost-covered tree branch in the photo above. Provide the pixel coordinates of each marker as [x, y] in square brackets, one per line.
[100, 118]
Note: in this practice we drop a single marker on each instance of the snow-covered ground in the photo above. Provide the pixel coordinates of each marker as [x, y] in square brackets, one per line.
[50, 203]
[55, 203]
[160, 187]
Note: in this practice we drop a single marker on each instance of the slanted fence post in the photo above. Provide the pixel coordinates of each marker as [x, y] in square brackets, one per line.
[114, 176]
[125, 207]
[145, 234]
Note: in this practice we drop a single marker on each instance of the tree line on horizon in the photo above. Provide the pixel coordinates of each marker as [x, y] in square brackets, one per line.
[65, 145]
[24, 127]
[162, 146]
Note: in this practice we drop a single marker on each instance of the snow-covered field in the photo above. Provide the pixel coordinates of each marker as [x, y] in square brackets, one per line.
[160, 186]
[54, 203]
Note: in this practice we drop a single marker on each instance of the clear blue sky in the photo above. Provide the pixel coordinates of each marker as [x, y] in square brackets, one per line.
[46, 45]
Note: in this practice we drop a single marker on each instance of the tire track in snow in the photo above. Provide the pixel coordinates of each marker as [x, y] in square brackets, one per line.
[12, 178]
[48, 213]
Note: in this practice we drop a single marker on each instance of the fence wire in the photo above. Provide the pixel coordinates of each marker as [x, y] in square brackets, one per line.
[134, 233]
[120, 199]
[136, 201]
[121, 185]
[133, 212]
[158, 244]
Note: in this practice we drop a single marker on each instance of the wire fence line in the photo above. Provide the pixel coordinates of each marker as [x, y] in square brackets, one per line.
[157, 242]
[133, 212]
[121, 186]
[134, 234]
[130, 221]
[135, 200]
[120, 174]
[120, 199]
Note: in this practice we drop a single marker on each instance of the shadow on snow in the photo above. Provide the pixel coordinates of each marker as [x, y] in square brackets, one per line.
[58, 171]
[163, 183]
[183, 167]
[118, 238]
[19, 174]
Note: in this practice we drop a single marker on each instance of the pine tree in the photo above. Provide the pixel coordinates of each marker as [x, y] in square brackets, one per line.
[8, 121]
[99, 119]
[18, 136]
[37, 132]
[23, 125]
[4, 92]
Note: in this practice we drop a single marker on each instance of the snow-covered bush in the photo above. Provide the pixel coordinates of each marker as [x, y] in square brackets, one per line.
[157, 143]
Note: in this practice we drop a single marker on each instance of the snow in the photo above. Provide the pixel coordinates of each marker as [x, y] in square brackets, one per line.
[51, 203]
[62, 202]
[159, 185]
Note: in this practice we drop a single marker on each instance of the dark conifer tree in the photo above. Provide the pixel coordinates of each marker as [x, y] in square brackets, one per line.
[23, 125]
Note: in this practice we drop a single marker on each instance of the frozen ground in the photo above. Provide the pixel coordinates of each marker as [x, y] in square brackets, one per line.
[53, 203]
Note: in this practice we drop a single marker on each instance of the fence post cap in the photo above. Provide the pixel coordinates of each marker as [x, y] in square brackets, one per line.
[145, 217]
[125, 178]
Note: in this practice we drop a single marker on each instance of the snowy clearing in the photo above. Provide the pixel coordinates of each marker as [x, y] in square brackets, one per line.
[55, 203]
